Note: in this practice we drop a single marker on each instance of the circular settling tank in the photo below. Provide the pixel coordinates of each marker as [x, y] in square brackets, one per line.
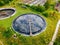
[29, 24]
[6, 12]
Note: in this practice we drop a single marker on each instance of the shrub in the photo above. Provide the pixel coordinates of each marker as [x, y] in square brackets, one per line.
[49, 4]
[3, 2]
[7, 33]
[45, 14]
[38, 8]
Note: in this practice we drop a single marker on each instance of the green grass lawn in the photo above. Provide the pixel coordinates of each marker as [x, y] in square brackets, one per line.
[6, 31]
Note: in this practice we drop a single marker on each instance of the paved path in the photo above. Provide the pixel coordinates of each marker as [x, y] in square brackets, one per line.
[36, 1]
[55, 34]
[1, 42]
[41, 2]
